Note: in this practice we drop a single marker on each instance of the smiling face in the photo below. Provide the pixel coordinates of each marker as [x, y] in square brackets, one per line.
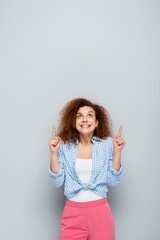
[86, 121]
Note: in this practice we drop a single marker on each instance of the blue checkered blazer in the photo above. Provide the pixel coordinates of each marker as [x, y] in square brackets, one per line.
[103, 173]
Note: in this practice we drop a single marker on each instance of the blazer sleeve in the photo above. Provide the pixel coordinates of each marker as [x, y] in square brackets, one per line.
[114, 176]
[59, 177]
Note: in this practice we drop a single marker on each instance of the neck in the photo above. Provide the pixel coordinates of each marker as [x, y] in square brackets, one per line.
[85, 140]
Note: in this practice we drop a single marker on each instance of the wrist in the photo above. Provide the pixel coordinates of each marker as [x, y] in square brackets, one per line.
[117, 153]
[53, 154]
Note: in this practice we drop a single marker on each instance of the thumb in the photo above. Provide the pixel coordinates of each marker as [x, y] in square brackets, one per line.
[58, 144]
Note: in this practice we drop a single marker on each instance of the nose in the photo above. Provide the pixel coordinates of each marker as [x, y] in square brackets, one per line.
[85, 119]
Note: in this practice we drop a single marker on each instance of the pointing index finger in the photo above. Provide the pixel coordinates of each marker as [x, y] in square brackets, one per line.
[53, 131]
[120, 131]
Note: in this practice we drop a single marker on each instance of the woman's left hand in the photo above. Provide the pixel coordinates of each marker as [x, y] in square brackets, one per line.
[118, 142]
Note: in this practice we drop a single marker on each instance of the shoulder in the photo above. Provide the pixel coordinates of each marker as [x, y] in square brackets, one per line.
[65, 146]
[60, 149]
[103, 143]
[107, 140]
[107, 143]
[110, 140]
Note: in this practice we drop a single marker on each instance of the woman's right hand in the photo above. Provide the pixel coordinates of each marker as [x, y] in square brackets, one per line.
[54, 142]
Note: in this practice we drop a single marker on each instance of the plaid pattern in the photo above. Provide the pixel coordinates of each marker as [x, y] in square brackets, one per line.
[103, 173]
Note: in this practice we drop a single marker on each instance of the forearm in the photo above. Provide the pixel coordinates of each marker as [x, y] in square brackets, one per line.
[54, 164]
[116, 160]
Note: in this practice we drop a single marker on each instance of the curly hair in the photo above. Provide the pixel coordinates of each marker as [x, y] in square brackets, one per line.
[67, 122]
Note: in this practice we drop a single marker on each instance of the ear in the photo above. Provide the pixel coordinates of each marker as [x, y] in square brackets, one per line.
[97, 122]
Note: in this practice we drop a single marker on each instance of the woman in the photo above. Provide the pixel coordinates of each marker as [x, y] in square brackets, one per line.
[85, 158]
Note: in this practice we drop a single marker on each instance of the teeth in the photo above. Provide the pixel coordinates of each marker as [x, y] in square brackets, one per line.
[84, 125]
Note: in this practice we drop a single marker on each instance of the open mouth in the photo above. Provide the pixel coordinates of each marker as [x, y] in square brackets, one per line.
[85, 126]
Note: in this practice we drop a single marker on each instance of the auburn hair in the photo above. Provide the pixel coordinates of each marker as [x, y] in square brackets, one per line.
[67, 122]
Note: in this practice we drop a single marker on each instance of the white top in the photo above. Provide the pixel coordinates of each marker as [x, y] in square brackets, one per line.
[84, 170]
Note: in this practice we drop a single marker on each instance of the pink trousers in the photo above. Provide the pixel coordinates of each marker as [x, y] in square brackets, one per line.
[91, 220]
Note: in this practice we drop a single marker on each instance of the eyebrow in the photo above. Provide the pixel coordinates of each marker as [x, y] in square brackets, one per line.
[89, 111]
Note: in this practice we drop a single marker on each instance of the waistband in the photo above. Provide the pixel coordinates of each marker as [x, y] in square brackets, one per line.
[86, 204]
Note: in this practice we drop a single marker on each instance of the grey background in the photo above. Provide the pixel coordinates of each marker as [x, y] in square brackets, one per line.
[50, 53]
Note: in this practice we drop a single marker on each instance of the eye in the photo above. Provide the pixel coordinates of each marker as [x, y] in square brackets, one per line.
[80, 115]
